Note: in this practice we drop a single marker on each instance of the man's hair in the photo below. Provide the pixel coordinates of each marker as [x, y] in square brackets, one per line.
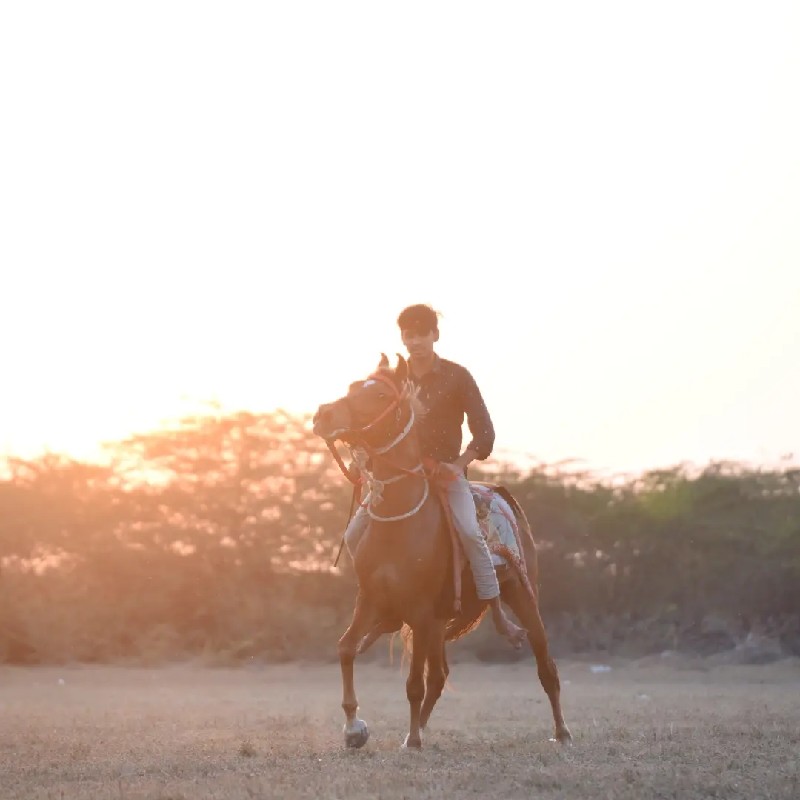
[419, 317]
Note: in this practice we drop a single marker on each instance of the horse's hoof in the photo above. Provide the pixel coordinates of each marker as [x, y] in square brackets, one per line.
[411, 744]
[563, 737]
[356, 733]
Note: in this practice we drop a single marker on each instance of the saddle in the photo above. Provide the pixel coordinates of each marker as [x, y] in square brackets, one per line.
[499, 522]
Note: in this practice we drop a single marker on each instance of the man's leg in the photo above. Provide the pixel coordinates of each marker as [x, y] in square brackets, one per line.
[480, 559]
[357, 527]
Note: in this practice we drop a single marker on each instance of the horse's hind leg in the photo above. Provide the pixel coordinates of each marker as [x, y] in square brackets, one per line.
[527, 611]
[436, 673]
[355, 729]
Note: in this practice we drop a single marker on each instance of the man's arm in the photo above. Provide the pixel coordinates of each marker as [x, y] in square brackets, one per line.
[479, 422]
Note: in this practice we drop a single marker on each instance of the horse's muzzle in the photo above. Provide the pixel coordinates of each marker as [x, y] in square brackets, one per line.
[325, 423]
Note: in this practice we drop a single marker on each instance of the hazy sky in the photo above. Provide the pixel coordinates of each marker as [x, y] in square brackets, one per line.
[233, 201]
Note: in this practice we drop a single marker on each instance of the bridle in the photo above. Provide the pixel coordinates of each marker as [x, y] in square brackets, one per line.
[379, 453]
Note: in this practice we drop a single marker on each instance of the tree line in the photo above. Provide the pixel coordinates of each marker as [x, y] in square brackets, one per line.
[216, 538]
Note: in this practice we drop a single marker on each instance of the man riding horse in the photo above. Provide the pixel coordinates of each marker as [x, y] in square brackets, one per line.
[448, 392]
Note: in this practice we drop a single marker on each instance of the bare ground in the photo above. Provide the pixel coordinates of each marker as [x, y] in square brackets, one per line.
[642, 730]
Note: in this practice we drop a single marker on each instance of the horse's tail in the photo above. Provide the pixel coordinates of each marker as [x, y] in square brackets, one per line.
[407, 637]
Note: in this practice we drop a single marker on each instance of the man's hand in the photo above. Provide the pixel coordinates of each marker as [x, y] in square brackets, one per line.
[458, 468]
[463, 461]
[453, 468]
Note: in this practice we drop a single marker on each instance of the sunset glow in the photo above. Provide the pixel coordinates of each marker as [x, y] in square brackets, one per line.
[205, 205]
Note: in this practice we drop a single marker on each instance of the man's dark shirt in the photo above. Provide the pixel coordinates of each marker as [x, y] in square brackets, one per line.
[448, 392]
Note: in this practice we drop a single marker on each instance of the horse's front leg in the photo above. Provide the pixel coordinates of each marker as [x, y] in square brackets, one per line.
[415, 685]
[437, 671]
[356, 732]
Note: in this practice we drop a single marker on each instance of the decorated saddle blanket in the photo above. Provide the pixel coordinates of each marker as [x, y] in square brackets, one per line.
[498, 525]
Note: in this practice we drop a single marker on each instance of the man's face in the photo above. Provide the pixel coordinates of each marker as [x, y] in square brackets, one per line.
[418, 342]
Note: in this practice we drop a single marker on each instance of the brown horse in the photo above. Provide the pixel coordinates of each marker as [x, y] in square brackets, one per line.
[404, 563]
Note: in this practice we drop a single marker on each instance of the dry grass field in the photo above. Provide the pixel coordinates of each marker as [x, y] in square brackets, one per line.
[642, 730]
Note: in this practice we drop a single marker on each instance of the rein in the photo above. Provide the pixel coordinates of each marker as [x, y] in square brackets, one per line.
[345, 471]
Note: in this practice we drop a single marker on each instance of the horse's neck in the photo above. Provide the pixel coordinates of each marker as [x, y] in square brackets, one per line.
[398, 485]
[404, 456]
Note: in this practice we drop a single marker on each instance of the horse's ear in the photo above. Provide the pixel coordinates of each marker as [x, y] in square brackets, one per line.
[401, 370]
[384, 362]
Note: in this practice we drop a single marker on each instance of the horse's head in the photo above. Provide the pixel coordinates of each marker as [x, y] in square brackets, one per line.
[372, 410]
